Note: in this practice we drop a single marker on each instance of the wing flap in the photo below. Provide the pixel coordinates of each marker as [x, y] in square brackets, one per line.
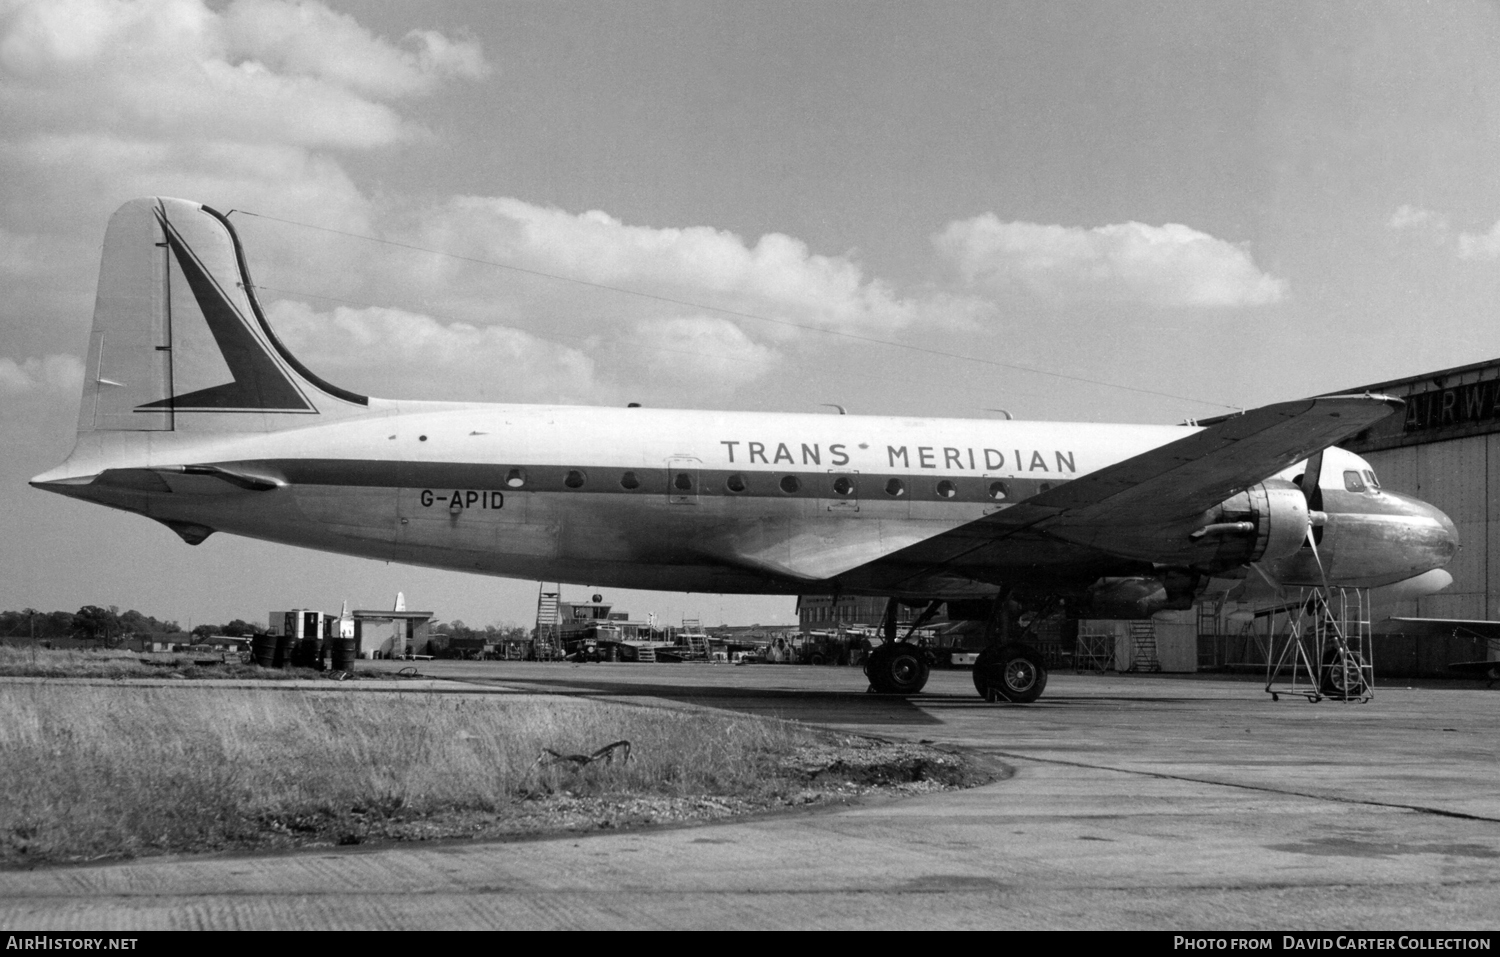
[819, 553]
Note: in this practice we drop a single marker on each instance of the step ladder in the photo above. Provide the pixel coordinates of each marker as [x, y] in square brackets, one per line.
[546, 641]
[1210, 629]
[1143, 647]
[697, 642]
[646, 655]
[1327, 642]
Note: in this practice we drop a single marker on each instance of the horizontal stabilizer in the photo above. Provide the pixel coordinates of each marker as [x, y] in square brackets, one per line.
[254, 480]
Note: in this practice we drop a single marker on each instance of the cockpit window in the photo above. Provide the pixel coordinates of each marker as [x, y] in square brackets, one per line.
[1370, 477]
[1352, 481]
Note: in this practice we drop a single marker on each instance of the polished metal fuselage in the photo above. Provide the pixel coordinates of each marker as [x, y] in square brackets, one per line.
[687, 501]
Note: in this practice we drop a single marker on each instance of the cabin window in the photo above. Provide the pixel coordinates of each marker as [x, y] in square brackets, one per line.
[630, 481]
[683, 481]
[1370, 477]
[790, 484]
[515, 478]
[946, 489]
[1044, 487]
[1352, 481]
[895, 488]
[574, 479]
[735, 483]
[843, 485]
[998, 491]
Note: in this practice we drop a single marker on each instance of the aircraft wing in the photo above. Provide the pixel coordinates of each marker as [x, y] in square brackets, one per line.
[1203, 469]
[1170, 483]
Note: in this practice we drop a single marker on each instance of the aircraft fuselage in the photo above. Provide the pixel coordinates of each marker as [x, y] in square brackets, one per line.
[668, 499]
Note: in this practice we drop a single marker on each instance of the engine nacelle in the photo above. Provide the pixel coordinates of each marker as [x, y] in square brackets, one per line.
[1266, 522]
[1137, 598]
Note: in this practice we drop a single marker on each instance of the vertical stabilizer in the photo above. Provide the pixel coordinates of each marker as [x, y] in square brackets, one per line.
[179, 341]
[129, 361]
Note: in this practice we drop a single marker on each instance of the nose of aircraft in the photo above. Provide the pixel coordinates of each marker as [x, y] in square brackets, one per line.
[1430, 537]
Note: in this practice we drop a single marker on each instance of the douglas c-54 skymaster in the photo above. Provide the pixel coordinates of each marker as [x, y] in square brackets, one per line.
[194, 414]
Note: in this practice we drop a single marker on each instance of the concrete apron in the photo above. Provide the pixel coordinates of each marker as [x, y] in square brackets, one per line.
[1133, 803]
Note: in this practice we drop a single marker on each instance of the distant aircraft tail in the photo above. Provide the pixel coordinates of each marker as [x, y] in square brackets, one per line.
[179, 341]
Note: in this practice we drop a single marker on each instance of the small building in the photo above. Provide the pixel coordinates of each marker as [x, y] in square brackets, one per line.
[376, 633]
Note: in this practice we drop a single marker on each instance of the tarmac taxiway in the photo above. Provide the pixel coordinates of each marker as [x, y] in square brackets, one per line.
[1122, 802]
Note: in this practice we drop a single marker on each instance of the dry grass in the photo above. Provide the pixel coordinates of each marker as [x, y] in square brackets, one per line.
[33, 662]
[94, 772]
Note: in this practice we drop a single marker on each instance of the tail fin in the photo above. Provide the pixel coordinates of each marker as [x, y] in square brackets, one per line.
[179, 341]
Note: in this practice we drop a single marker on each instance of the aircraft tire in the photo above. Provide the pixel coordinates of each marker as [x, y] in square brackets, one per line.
[897, 668]
[1015, 672]
[1346, 681]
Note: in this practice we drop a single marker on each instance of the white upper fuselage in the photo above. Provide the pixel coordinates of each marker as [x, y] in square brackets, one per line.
[383, 483]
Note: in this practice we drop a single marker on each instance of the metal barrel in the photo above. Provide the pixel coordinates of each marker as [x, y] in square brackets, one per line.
[307, 652]
[263, 650]
[343, 654]
[284, 646]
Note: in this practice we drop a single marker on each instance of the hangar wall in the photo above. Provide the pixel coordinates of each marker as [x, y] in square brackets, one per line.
[1446, 450]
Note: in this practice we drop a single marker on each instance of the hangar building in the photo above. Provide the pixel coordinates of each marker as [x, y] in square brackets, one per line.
[1445, 450]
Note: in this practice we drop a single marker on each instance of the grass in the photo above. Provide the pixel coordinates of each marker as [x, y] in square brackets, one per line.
[94, 772]
[36, 662]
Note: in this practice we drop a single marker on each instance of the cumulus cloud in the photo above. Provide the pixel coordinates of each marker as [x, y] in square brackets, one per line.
[697, 354]
[1433, 227]
[1480, 246]
[777, 276]
[1408, 218]
[1170, 265]
[246, 104]
[56, 373]
[259, 71]
[308, 39]
[399, 354]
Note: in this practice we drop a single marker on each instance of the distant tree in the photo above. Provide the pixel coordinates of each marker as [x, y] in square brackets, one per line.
[239, 628]
[59, 625]
[93, 623]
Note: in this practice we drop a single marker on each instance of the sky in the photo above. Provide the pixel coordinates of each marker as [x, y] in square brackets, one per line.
[1141, 212]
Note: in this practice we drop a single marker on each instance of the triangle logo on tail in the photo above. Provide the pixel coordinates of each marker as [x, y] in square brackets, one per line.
[258, 383]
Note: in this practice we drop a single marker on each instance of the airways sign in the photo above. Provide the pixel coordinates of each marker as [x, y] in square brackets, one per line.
[1474, 403]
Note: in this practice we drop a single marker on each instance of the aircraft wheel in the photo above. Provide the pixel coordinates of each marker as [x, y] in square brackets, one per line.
[897, 668]
[1343, 677]
[1012, 672]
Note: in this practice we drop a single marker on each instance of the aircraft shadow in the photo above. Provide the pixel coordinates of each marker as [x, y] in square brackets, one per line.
[839, 707]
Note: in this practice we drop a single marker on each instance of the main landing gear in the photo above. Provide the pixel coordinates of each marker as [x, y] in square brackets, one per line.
[1009, 670]
[900, 666]
[1006, 670]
